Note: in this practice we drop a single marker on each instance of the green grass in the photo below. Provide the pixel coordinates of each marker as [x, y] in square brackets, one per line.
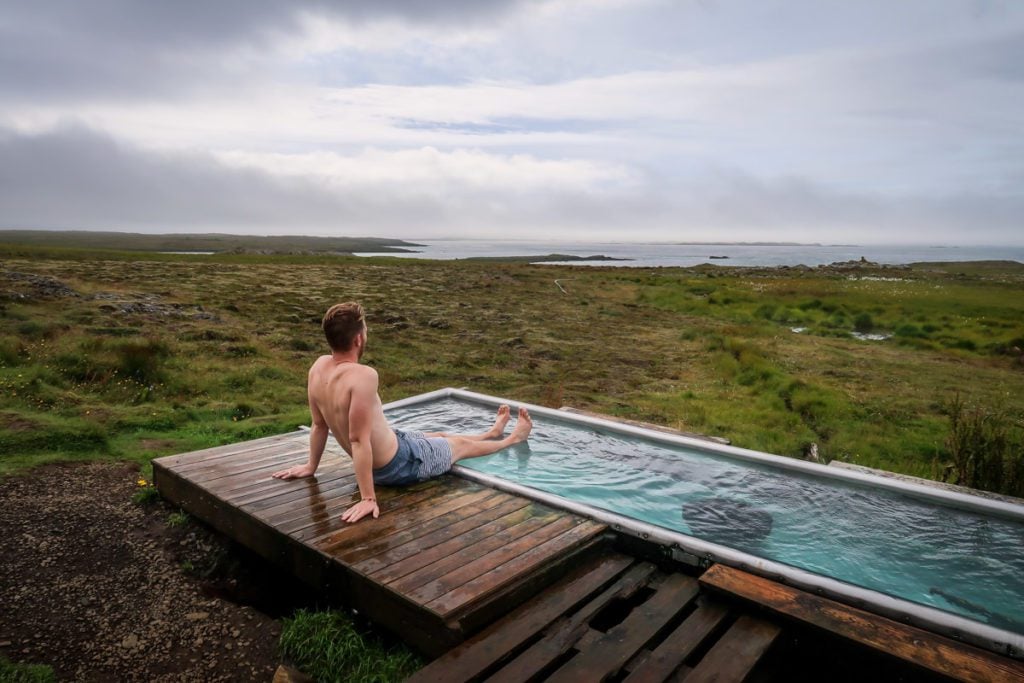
[223, 358]
[11, 672]
[180, 518]
[326, 646]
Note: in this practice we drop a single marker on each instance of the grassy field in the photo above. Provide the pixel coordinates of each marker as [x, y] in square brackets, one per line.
[128, 355]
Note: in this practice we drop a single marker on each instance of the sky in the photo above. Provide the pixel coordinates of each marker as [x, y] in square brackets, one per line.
[691, 120]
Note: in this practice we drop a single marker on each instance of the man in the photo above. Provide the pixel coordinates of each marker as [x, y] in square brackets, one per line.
[343, 400]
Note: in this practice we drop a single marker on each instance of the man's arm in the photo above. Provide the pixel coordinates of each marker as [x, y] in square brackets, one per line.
[361, 414]
[317, 442]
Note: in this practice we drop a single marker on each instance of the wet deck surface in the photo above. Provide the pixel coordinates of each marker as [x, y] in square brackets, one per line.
[445, 557]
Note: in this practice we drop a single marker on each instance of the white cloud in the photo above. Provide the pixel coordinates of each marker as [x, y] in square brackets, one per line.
[590, 115]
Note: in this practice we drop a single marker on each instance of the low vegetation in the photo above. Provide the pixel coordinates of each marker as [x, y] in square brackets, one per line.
[11, 672]
[131, 355]
[327, 646]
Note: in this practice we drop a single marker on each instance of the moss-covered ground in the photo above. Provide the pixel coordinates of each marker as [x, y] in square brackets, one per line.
[130, 356]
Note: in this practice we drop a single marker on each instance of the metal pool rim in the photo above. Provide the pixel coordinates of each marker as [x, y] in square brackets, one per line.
[696, 551]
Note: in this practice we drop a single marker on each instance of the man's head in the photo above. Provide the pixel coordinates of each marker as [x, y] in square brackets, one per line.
[345, 327]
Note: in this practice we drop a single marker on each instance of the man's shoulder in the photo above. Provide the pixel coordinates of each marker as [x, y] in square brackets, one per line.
[364, 372]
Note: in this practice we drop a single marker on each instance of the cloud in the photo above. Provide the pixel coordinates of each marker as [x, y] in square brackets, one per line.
[79, 179]
[121, 49]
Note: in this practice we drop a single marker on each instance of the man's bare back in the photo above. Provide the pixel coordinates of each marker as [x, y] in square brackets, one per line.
[344, 400]
[331, 387]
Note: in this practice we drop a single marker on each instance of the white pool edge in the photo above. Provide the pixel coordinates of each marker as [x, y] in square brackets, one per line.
[946, 623]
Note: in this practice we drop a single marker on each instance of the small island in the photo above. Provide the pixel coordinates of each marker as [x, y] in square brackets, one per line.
[547, 258]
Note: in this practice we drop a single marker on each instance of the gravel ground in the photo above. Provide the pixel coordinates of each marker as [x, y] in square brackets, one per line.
[103, 589]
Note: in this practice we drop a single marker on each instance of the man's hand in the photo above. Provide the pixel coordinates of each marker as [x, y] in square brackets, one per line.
[360, 510]
[296, 472]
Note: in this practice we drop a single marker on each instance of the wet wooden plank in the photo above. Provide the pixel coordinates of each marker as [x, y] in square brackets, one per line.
[268, 487]
[375, 554]
[482, 652]
[238, 466]
[564, 633]
[736, 653]
[679, 644]
[211, 454]
[480, 551]
[257, 455]
[611, 652]
[300, 497]
[483, 586]
[418, 556]
[914, 645]
[393, 505]
[441, 577]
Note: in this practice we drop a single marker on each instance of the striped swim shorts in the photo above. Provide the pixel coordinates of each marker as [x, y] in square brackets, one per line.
[418, 458]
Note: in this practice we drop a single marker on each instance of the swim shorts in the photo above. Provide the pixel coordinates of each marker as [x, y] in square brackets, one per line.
[418, 458]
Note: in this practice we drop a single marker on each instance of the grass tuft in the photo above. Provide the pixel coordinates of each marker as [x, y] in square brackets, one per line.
[12, 672]
[327, 646]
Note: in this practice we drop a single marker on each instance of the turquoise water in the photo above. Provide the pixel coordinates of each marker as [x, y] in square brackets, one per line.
[961, 562]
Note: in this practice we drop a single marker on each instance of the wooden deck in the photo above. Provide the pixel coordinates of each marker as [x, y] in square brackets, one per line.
[540, 594]
[614, 618]
[445, 557]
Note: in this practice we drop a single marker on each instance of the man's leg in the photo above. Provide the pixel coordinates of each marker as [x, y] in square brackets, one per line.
[469, 447]
[495, 432]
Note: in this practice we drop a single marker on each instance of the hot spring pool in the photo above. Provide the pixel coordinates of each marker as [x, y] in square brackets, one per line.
[962, 559]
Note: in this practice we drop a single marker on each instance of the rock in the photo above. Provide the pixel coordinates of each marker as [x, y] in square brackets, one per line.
[196, 616]
[439, 324]
[727, 521]
[130, 642]
[286, 674]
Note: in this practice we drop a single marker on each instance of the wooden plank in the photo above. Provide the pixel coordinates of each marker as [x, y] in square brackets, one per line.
[248, 455]
[299, 495]
[622, 642]
[238, 484]
[480, 653]
[736, 653]
[236, 466]
[680, 644]
[336, 501]
[439, 578]
[911, 644]
[172, 462]
[431, 559]
[397, 511]
[377, 553]
[433, 562]
[483, 586]
[268, 487]
[564, 633]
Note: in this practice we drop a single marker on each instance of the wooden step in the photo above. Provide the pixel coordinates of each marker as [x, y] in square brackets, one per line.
[908, 643]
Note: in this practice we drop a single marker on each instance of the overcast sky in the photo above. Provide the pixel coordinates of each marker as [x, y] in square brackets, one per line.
[821, 120]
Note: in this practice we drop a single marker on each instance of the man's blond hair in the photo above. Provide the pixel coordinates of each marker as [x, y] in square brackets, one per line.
[342, 324]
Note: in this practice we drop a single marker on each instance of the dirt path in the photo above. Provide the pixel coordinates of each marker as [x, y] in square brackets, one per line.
[102, 589]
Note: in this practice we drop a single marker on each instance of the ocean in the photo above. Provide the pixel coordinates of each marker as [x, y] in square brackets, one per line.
[647, 254]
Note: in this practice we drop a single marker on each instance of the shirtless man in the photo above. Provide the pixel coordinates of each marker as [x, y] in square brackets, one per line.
[343, 401]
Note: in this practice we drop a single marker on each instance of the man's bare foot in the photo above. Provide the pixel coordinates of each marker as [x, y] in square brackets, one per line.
[500, 420]
[522, 428]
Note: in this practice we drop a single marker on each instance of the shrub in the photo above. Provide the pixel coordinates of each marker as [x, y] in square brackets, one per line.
[10, 351]
[863, 322]
[141, 360]
[987, 449]
[910, 331]
[299, 344]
